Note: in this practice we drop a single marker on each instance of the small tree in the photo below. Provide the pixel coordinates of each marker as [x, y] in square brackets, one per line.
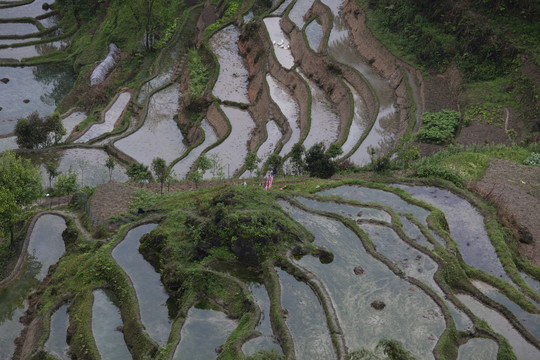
[20, 184]
[274, 163]
[29, 132]
[216, 167]
[297, 160]
[110, 164]
[52, 171]
[251, 162]
[161, 170]
[202, 164]
[138, 172]
[54, 128]
[319, 163]
[66, 183]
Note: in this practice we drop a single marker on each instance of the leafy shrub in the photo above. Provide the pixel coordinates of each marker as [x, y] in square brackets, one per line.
[438, 127]
[198, 73]
[533, 159]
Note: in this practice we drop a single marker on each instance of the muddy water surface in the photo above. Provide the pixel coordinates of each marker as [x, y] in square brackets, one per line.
[106, 320]
[281, 9]
[181, 168]
[87, 164]
[111, 117]
[150, 292]
[33, 9]
[203, 331]
[324, 119]
[274, 135]
[289, 108]
[383, 134]
[280, 42]
[360, 121]
[314, 35]
[478, 349]
[298, 11]
[233, 150]
[305, 319]
[233, 75]
[160, 135]
[71, 123]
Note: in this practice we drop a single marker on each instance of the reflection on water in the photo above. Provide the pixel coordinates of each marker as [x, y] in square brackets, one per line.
[150, 292]
[212, 326]
[45, 248]
[33, 9]
[359, 122]
[49, 84]
[106, 321]
[418, 328]
[531, 322]
[466, 227]
[522, 349]
[305, 319]
[56, 343]
[266, 341]
[87, 164]
[383, 134]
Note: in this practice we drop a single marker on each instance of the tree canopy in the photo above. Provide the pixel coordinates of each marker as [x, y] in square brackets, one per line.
[20, 185]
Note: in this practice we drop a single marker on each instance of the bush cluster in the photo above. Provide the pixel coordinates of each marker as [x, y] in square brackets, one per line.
[438, 127]
[533, 159]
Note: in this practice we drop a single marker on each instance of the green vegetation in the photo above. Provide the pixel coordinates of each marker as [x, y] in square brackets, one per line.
[198, 74]
[533, 159]
[34, 132]
[438, 128]
[20, 185]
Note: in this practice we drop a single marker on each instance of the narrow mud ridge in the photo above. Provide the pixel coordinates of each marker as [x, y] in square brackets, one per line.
[317, 68]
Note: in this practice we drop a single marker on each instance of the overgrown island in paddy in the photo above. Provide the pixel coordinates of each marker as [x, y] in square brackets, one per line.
[294, 179]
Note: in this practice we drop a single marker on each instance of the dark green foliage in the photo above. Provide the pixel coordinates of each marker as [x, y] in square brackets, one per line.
[319, 161]
[274, 163]
[110, 163]
[29, 132]
[437, 32]
[198, 74]
[533, 159]
[234, 226]
[138, 172]
[393, 350]
[438, 127]
[34, 132]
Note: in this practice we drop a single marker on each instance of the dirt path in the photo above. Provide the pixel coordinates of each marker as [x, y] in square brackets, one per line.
[516, 191]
